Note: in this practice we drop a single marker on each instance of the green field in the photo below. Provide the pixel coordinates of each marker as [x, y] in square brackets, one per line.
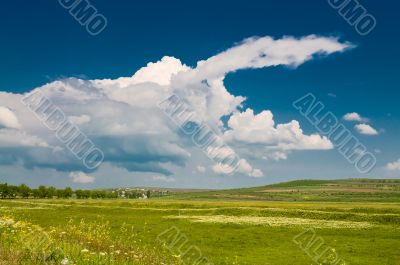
[346, 190]
[352, 222]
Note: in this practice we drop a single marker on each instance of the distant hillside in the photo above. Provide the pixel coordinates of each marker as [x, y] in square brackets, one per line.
[384, 190]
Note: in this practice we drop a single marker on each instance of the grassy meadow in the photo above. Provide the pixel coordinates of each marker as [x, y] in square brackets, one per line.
[303, 222]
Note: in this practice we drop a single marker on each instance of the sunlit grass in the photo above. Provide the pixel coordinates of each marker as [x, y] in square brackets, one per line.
[236, 232]
[74, 243]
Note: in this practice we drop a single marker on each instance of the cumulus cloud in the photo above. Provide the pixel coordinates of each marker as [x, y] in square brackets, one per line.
[79, 119]
[261, 129]
[8, 118]
[163, 179]
[354, 116]
[242, 167]
[121, 116]
[201, 169]
[246, 168]
[393, 166]
[365, 129]
[12, 138]
[80, 177]
[362, 128]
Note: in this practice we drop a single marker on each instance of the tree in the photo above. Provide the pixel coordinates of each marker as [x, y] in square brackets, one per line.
[4, 191]
[24, 191]
[111, 195]
[42, 192]
[87, 194]
[35, 193]
[82, 194]
[98, 194]
[12, 191]
[64, 193]
[79, 194]
[51, 192]
[67, 192]
[148, 194]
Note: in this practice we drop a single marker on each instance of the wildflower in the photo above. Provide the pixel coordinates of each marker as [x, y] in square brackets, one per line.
[65, 261]
[84, 251]
[102, 254]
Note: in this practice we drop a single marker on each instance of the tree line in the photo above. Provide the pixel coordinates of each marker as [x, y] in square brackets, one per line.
[23, 191]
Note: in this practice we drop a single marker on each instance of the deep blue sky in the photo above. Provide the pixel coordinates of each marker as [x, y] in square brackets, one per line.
[41, 42]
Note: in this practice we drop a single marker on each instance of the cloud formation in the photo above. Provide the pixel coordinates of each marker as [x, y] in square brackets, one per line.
[366, 129]
[394, 166]
[8, 119]
[201, 169]
[80, 177]
[163, 179]
[363, 127]
[260, 129]
[121, 116]
[354, 116]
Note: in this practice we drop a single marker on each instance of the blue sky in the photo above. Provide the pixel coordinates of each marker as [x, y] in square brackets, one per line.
[41, 43]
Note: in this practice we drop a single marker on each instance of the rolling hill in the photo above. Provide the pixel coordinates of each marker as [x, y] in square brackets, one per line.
[376, 190]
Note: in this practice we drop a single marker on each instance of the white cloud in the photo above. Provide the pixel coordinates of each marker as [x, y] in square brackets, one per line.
[222, 169]
[365, 129]
[243, 167]
[276, 155]
[362, 128]
[393, 166]
[163, 179]
[79, 119]
[246, 168]
[257, 173]
[212, 101]
[8, 119]
[265, 52]
[122, 117]
[13, 138]
[80, 177]
[354, 116]
[261, 129]
[201, 169]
